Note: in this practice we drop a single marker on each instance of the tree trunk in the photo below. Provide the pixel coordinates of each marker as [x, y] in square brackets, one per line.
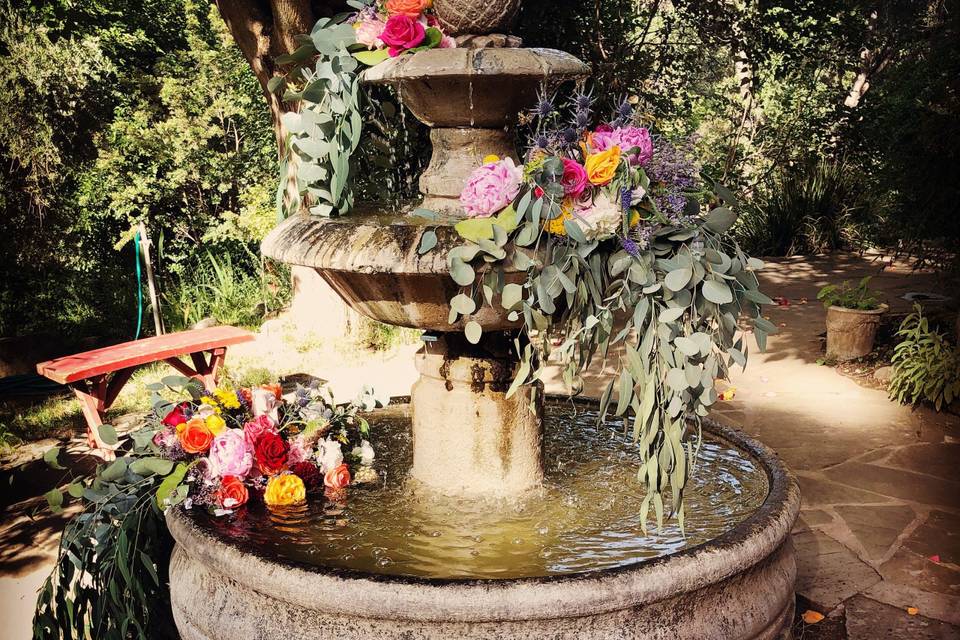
[264, 30]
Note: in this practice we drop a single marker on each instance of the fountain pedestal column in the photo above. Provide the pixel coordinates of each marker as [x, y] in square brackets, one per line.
[468, 437]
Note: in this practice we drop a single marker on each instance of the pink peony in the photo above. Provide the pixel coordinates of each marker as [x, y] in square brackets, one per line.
[230, 455]
[299, 451]
[637, 143]
[257, 427]
[401, 33]
[368, 30]
[491, 187]
[601, 140]
[574, 179]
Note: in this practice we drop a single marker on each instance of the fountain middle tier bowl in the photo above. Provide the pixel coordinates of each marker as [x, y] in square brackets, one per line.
[372, 262]
[569, 560]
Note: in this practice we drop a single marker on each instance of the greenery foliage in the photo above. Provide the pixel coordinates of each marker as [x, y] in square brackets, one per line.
[926, 365]
[109, 117]
[849, 296]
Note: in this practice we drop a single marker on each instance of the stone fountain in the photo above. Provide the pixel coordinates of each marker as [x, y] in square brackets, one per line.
[468, 438]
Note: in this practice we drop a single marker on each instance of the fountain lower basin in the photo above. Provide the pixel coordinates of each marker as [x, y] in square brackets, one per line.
[228, 581]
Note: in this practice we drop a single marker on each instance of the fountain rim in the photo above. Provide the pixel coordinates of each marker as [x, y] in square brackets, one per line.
[485, 599]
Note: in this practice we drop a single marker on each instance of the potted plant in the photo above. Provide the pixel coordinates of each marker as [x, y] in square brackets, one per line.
[853, 315]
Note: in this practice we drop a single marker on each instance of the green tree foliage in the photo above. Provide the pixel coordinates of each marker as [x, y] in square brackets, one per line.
[110, 117]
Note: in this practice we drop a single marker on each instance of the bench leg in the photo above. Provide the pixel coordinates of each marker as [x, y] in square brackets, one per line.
[206, 372]
[92, 403]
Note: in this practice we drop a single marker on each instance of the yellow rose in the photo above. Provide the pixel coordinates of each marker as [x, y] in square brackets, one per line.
[216, 424]
[491, 158]
[602, 166]
[285, 490]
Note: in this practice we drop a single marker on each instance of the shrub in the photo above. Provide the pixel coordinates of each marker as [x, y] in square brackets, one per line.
[926, 366]
[227, 291]
[848, 296]
[815, 207]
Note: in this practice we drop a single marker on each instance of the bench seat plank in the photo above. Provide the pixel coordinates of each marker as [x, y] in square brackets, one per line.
[132, 354]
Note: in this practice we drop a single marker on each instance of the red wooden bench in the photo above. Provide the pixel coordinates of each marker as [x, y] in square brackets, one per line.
[97, 376]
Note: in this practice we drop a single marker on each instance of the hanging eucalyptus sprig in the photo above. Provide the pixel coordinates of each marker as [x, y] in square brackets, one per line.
[644, 262]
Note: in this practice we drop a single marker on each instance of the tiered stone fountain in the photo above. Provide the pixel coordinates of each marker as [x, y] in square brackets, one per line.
[468, 439]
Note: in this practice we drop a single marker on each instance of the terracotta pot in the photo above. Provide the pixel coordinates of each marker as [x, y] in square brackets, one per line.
[851, 332]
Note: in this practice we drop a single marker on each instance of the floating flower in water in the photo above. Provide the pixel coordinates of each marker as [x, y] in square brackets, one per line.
[230, 455]
[491, 187]
[232, 492]
[366, 475]
[195, 436]
[337, 478]
[329, 455]
[285, 490]
[365, 452]
[270, 453]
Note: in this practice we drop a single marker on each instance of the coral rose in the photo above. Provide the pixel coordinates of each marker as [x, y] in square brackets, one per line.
[232, 493]
[284, 491]
[195, 437]
[401, 33]
[337, 478]
[602, 166]
[270, 452]
[409, 8]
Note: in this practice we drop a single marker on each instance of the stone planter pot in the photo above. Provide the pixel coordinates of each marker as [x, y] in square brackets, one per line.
[737, 586]
[851, 332]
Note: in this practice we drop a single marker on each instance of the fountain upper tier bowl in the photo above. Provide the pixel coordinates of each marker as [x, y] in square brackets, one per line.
[372, 262]
[483, 88]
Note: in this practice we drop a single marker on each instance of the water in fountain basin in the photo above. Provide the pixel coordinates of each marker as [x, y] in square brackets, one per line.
[584, 518]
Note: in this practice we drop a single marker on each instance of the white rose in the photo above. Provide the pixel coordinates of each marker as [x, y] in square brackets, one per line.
[365, 452]
[329, 455]
[600, 221]
[264, 402]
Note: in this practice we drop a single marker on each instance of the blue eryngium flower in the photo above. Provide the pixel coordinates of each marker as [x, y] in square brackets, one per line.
[544, 107]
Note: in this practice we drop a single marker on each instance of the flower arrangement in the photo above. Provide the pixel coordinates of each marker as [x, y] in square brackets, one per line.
[232, 444]
[623, 242]
[388, 28]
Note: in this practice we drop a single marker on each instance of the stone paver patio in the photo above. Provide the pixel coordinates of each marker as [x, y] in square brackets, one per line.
[880, 526]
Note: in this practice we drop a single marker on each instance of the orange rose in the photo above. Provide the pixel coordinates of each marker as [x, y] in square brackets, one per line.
[602, 166]
[233, 493]
[195, 437]
[275, 388]
[337, 478]
[284, 491]
[411, 8]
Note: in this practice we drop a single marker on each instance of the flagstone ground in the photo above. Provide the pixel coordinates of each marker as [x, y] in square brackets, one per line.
[880, 528]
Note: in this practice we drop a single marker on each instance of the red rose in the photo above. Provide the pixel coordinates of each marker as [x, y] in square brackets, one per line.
[309, 473]
[232, 493]
[270, 452]
[401, 33]
[177, 416]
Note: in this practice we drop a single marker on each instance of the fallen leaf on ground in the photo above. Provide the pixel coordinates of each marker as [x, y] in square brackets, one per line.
[803, 301]
[935, 558]
[728, 393]
[913, 611]
[812, 617]
[781, 301]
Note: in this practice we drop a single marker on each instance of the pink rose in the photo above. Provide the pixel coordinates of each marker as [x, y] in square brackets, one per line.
[574, 179]
[636, 142]
[447, 42]
[257, 427]
[401, 33]
[491, 187]
[368, 30]
[230, 455]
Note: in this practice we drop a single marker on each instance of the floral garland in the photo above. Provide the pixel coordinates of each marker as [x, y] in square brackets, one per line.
[231, 443]
[620, 240]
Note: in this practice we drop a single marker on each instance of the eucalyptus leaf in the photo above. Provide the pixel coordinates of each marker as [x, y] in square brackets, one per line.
[473, 331]
[427, 241]
[717, 292]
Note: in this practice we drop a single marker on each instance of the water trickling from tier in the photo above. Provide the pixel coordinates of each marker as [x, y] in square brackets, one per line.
[584, 518]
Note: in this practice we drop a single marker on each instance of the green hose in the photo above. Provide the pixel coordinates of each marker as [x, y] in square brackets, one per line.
[136, 247]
